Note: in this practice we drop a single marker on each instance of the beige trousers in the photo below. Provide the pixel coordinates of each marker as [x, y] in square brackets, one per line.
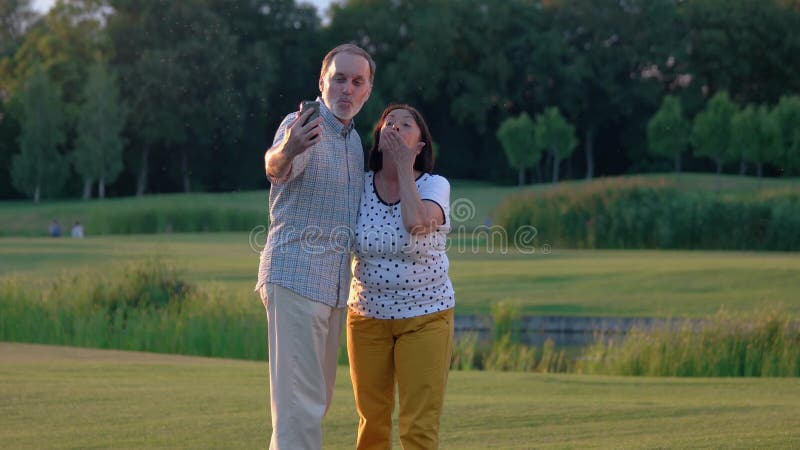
[303, 346]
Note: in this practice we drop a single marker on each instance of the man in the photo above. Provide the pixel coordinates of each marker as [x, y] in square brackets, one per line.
[316, 170]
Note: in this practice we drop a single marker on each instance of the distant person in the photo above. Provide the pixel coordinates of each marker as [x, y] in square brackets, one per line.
[316, 170]
[400, 315]
[55, 229]
[77, 230]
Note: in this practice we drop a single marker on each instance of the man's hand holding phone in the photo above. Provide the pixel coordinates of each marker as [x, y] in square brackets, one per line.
[306, 131]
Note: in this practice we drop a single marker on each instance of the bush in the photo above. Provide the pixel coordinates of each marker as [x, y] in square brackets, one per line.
[637, 213]
[166, 220]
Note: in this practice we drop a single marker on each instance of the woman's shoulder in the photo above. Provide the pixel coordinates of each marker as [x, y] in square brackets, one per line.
[435, 180]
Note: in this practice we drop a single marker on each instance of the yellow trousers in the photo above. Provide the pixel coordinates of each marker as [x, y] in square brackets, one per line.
[414, 353]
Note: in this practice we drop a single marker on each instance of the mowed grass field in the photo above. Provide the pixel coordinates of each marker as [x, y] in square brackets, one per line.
[562, 282]
[65, 398]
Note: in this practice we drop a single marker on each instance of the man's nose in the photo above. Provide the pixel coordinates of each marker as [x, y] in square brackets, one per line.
[348, 88]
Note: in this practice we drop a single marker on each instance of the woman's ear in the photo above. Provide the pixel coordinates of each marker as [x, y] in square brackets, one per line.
[420, 146]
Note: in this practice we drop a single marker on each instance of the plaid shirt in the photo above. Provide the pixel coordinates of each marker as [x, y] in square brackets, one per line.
[312, 215]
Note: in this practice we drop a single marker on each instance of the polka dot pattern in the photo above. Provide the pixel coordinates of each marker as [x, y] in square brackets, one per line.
[396, 275]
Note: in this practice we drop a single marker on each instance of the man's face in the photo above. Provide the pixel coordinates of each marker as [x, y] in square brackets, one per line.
[346, 85]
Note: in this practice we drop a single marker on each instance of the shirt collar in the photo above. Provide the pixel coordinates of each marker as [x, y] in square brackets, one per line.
[329, 118]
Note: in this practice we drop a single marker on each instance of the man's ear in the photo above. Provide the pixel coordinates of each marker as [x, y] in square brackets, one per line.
[321, 85]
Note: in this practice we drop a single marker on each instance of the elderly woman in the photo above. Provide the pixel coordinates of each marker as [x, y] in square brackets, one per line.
[400, 315]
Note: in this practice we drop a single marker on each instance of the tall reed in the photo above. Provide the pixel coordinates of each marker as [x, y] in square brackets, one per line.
[644, 213]
[144, 307]
[765, 343]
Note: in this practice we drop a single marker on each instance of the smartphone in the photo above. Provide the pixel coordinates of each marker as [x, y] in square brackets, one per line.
[305, 105]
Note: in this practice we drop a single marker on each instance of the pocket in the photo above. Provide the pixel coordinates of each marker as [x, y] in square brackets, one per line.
[264, 294]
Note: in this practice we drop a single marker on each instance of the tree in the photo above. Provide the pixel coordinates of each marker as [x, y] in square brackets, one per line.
[178, 65]
[517, 136]
[755, 136]
[15, 16]
[67, 41]
[555, 134]
[746, 47]
[39, 167]
[607, 42]
[668, 131]
[787, 115]
[101, 119]
[9, 132]
[711, 133]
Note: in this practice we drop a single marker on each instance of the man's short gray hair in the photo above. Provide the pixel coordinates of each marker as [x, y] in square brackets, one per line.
[353, 50]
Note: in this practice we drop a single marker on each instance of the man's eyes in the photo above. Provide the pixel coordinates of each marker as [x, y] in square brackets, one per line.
[358, 82]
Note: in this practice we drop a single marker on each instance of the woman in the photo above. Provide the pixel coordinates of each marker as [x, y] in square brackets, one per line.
[400, 315]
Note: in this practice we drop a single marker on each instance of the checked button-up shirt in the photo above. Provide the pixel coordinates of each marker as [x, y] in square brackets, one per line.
[313, 213]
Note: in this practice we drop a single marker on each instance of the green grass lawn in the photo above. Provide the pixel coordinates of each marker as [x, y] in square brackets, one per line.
[568, 282]
[478, 199]
[63, 398]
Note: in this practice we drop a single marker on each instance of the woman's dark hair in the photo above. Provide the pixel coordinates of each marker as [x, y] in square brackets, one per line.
[424, 161]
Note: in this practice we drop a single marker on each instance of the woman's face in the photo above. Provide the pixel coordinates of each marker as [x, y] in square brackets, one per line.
[402, 121]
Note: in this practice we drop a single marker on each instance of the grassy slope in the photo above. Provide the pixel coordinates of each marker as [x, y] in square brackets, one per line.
[59, 397]
[25, 218]
[628, 283]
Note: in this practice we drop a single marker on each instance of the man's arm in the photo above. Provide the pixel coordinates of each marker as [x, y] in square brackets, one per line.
[296, 140]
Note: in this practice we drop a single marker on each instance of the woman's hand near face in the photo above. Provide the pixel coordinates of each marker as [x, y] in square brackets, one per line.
[393, 146]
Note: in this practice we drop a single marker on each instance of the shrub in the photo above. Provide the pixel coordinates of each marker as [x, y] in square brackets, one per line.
[637, 213]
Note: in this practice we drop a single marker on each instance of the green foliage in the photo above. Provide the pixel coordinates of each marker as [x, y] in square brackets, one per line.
[15, 15]
[787, 113]
[733, 44]
[207, 81]
[517, 135]
[668, 131]
[101, 119]
[556, 135]
[765, 343]
[636, 213]
[148, 284]
[9, 132]
[505, 321]
[142, 306]
[178, 219]
[756, 136]
[40, 168]
[64, 43]
[711, 132]
[465, 353]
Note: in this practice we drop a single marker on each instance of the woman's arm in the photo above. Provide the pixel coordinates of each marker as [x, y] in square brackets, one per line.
[419, 216]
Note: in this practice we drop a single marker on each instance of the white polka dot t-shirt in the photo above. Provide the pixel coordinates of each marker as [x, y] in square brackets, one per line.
[396, 275]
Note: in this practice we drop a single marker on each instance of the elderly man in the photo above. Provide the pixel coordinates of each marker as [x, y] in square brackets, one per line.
[316, 168]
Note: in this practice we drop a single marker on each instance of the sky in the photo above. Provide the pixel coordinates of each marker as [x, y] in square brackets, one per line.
[322, 5]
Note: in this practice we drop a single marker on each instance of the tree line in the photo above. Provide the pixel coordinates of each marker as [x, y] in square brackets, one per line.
[124, 97]
[722, 132]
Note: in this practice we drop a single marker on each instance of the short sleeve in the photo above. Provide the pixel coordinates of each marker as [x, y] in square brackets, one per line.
[436, 188]
[299, 162]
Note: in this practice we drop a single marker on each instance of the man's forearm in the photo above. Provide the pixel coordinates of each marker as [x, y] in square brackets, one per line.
[278, 162]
